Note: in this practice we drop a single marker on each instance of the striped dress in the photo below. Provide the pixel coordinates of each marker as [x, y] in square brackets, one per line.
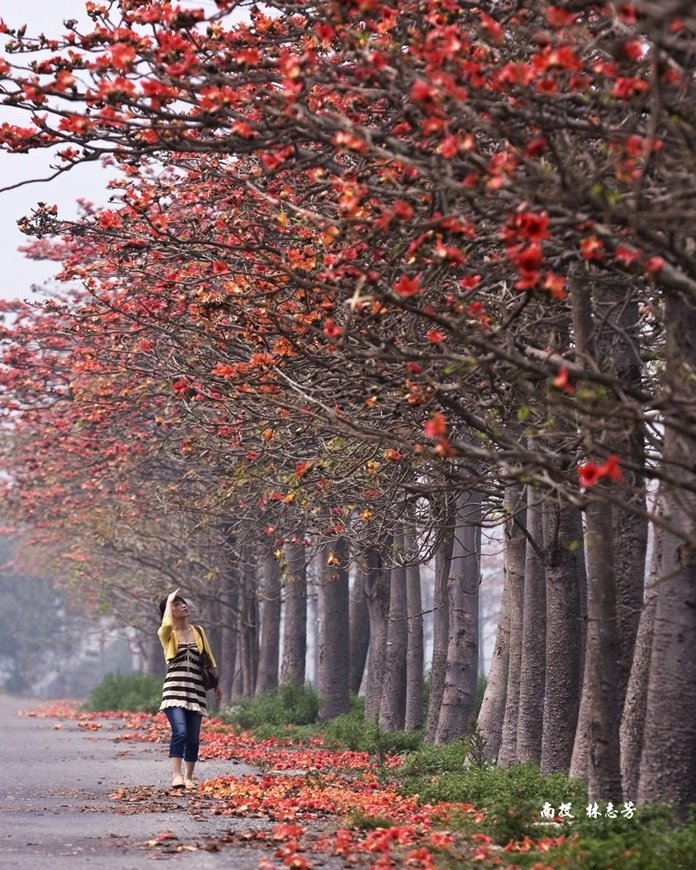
[183, 684]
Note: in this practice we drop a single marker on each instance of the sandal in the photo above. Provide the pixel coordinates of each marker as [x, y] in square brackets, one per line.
[178, 782]
[189, 784]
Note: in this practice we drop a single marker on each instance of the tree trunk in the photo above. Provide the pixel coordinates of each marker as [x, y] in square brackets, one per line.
[414, 648]
[668, 760]
[248, 634]
[313, 617]
[334, 629]
[630, 537]
[295, 627]
[377, 595]
[630, 543]
[533, 661]
[618, 353]
[563, 663]
[459, 697]
[227, 658]
[392, 710]
[152, 656]
[596, 749]
[601, 723]
[438, 667]
[633, 716]
[269, 655]
[579, 535]
[515, 561]
[359, 631]
[492, 713]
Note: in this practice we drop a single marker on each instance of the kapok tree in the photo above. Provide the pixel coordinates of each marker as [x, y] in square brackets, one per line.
[467, 75]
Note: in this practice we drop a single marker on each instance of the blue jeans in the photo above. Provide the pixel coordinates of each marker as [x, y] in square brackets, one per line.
[186, 729]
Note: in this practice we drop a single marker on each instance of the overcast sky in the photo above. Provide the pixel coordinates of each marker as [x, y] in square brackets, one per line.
[84, 182]
[19, 274]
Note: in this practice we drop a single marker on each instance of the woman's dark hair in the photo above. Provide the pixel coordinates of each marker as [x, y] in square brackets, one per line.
[163, 604]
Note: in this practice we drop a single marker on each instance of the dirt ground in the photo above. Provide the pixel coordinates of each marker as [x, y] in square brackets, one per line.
[54, 792]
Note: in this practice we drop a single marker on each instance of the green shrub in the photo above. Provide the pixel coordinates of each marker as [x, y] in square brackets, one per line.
[292, 713]
[132, 693]
[357, 705]
[511, 798]
[351, 731]
[652, 838]
[432, 760]
[358, 819]
[288, 704]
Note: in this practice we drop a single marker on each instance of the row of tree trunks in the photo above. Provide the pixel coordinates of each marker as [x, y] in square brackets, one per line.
[575, 638]
[247, 631]
[668, 756]
[589, 596]
[532, 708]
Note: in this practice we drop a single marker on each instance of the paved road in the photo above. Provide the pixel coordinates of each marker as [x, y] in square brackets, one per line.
[54, 788]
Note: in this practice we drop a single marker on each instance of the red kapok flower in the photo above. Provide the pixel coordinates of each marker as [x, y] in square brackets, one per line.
[561, 382]
[406, 286]
[590, 474]
[332, 330]
[436, 426]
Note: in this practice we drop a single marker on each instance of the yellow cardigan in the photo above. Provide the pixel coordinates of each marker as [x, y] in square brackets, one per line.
[167, 637]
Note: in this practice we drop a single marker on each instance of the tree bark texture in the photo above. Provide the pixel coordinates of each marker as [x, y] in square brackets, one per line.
[630, 536]
[600, 672]
[392, 710]
[313, 616]
[533, 662]
[563, 663]
[359, 631]
[249, 634]
[492, 713]
[269, 648]
[618, 352]
[414, 646]
[515, 561]
[633, 715]
[228, 633]
[438, 667]
[377, 594]
[459, 696]
[334, 629]
[294, 656]
[596, 749]
[668, 759]
[153, 659]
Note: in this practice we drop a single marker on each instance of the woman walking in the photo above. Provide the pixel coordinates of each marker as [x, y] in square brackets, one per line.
[183, 694]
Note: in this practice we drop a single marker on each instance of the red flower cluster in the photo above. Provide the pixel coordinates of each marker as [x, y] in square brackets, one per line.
[590, 474]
